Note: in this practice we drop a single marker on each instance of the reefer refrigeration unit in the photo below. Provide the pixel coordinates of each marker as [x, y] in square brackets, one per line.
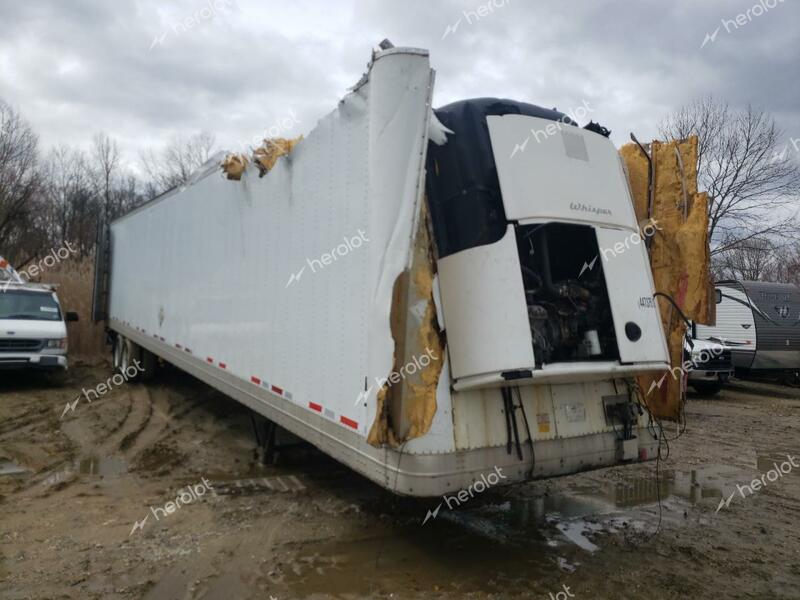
[409, 290]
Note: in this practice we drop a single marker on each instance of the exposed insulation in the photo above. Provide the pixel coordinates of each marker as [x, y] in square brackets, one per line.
[234, 165]
[420, 400]
[406, 409]
[265, 157]
[679, 254]
[268, 153]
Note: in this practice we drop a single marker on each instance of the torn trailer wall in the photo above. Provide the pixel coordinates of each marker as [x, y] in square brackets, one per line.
[264, 157]
[405, 395]
[679, 254]
[407, 399]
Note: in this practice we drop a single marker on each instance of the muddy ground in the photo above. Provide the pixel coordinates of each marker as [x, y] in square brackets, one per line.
[73, 488]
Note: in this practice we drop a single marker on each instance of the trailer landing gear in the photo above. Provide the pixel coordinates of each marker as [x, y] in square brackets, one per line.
[264, 431]
[272, 440]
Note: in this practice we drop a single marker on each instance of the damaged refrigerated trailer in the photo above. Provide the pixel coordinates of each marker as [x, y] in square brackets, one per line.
[416, 293]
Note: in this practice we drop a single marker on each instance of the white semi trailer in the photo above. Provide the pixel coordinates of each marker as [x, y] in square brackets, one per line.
[417, 293]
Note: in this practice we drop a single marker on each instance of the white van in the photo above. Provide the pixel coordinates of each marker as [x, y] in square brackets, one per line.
[33, 330]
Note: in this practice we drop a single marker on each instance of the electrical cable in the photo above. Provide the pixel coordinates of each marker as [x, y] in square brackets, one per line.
[528, 430]
[675, 304]
[514, 423]
[508, 422]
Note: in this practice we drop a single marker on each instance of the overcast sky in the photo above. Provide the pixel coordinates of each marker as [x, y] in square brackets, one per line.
[144, 71]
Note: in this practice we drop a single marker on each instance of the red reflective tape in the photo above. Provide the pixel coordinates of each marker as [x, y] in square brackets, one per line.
[315, 406]
[277, 390]
[223, 365]
[210, 360]
[255, 380]
[349, 422]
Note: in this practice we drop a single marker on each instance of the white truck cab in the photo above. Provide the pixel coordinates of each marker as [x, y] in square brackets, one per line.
[710, 365]
[33, 331]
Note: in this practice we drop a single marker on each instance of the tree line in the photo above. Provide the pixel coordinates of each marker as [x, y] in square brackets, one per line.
[49, 198]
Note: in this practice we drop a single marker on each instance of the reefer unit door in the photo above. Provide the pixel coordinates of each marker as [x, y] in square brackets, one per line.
[637, 323]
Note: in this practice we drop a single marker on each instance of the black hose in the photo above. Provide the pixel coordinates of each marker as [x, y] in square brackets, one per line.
[514, 423]
[508, 417]
[547, 275]
[528, 429]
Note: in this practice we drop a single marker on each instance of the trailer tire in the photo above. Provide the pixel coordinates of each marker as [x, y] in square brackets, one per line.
[130, 356]
[124, 354]
[149, 366]
[116, 353]
[706, 389]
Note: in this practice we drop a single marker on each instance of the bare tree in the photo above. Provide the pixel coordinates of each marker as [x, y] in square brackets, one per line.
[68, 191]
[173, 165]
[105, 163]
[19, 179]
[787, 265]
[752, 259]
[751, 180]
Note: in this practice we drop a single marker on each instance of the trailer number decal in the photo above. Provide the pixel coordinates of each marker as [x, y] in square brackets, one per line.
[646, 302]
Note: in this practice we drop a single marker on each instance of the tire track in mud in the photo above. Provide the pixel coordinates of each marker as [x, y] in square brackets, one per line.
[139, 410]
[24, 420]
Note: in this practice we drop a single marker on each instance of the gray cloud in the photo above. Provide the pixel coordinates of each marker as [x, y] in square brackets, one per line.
[80, 67]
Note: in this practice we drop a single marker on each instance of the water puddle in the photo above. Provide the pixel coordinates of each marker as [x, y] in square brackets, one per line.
[98, 466]
[9, 468]
[103, 466]
[519, 536]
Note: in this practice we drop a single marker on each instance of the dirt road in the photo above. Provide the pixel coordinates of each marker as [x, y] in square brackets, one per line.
[85, 493]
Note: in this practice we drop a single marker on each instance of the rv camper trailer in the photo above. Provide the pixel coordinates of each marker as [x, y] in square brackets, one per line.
[760, 322]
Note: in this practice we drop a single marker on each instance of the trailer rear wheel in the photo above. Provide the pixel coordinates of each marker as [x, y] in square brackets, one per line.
[707, 389]
[117, 353]
[149, 365]
[130, 360]
[124, 354]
